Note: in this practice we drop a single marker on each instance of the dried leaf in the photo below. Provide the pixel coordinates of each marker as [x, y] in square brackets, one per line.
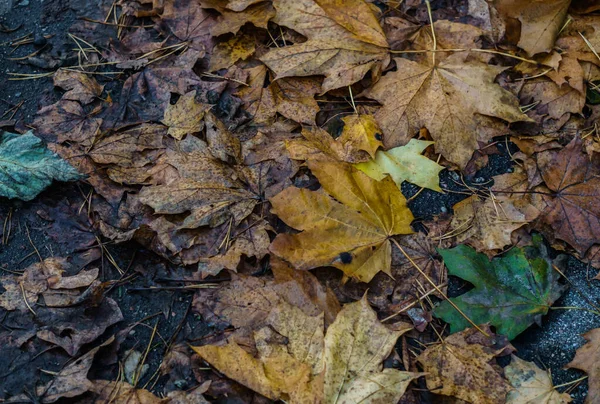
[225, 54]
[80, 86]
[231, 22]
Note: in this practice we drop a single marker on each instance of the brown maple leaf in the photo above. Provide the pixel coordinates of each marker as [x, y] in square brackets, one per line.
[446, 97]
[340, 47]
[587, 358]
[461, 366]
[573, 210]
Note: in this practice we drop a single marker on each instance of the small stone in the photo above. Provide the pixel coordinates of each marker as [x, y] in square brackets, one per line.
[510, 170]
[444, 209]
[479, 180]
[39, 41]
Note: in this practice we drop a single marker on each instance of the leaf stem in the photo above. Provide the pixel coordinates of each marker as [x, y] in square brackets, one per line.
[414, 264]
[432, 32]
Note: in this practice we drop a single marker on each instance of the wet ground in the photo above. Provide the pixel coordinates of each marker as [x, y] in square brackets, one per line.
[551, 346]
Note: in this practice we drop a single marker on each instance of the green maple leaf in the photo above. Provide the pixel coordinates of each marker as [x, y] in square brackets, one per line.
[405, 163]
[511, 292]
[27, 167]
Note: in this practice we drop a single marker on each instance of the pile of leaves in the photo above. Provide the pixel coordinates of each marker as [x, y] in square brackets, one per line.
[270, 143]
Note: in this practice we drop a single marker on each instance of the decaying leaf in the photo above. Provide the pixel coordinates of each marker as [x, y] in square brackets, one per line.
[225, 54]
[531, 384]
[486, 224]
[358, 142]
[350, 233]
[463, 366]
[445, 97]
[586, 359]
[511, 292]
[405, 163]
[541, 21]
[341, 53]
[185, 116]
[27, 167]
[573, 209]
[80, 86]
[300, 364]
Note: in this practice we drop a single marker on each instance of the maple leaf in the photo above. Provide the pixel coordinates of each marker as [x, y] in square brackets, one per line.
[298, 363]
[573, 209]
[352, 234]
[486, 224]
[80, 86]
[185, 116]
[511, 292]
[541, 21]
[291, 97]
[359, 140]
[445, 97]
[27, 167]
[405, 163]
[189, 23]
[231, 21]
[225, 54]
[343, 56]
[586, 359]
[461, 366]
[67, 121]
[123, 392]
[531, 384]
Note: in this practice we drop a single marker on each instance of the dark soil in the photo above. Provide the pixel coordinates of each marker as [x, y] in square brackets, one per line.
[551, 346]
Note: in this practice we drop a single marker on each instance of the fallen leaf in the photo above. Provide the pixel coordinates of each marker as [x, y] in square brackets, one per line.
[358, 142]
[67, 121]
[444, 97]
[463, 367]
[586, 359]
[405, 163]
[486, 224]
[80, 86]
[352, 234]
[331, 50]
[343, 366]
[541, 21]
[231, 21]
[122, 392]
[511, 292]
[225, 54]
[291, 97]
[185, 116]
[573, 209]
[27, 167]
[189, 23]
[531, 384]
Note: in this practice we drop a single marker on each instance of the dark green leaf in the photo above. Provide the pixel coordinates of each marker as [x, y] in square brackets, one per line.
[27, 166]
[511, 292]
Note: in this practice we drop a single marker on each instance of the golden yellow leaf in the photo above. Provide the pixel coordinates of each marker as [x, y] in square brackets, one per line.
[298, 364]
[231, 21]
[351, 232]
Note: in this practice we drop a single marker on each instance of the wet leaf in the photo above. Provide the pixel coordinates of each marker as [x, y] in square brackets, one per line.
[405, 163]
[573, 210]
[80, 86]
[463, 366]
[446, 98]
[27, 167]
[185, 116]
[511, 292]
[231, 22]
[586, 359]
[342, 56]
[351, 232]
[343, 366]
[225, 54]
[531, 384]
